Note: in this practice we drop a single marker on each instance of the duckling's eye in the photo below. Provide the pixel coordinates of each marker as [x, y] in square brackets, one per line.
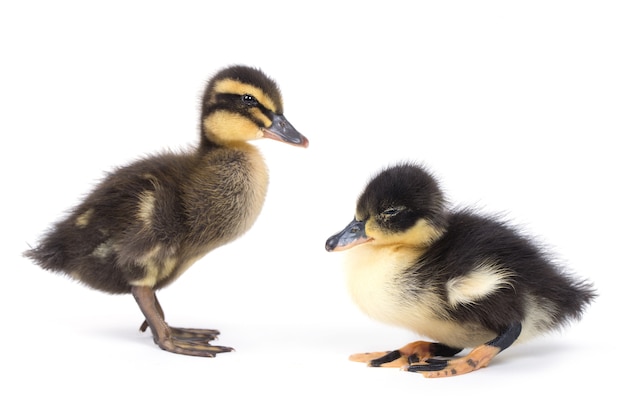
[249, 100]
[390, 212]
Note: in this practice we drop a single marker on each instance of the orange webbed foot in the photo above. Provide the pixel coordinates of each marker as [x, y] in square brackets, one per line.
[478, 358]
[402, 358]
[437, 368]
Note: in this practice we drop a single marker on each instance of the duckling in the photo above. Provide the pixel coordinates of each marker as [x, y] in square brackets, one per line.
[144, 224]
[460, 278]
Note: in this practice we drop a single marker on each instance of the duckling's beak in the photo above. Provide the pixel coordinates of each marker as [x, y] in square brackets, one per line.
[282, 130]
[352, 235]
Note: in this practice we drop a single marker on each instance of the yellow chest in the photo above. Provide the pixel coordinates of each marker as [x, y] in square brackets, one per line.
[373, 280]
[382, 284]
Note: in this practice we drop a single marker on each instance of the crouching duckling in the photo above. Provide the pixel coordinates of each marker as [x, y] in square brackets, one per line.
[461, 279]
[146, 223]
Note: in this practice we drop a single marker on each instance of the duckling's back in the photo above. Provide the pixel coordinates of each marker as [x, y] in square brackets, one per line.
[493, 275]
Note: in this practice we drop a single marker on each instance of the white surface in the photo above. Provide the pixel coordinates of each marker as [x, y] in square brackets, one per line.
[518, 109]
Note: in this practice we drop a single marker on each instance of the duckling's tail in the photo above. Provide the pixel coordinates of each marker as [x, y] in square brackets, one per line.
[584, 293]
[571, 300]
[46, 257]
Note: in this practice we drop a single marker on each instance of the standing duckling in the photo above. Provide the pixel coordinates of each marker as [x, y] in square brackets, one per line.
[146, 223]
[459, 278]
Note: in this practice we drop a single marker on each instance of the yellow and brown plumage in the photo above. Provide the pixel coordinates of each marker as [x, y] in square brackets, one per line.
[461, 279]
[146, 223]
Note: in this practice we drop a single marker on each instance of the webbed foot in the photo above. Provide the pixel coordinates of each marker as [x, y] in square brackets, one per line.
[185, 341]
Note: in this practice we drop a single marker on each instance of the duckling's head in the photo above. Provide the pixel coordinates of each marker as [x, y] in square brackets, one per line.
[402, 205]
[241, 103]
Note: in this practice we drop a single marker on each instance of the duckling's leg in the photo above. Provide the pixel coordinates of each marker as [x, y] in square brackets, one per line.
[406, 355]
[198, 335]
[478, 358]
[183, 341]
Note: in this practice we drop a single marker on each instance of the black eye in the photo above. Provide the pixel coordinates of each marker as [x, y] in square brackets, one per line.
[391, 212]
[249, 100]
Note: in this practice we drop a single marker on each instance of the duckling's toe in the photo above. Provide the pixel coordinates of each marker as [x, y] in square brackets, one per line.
[437, 368]
[185, 341]
[390, 359]
[406, 356]
[191, 347]
[198, 335]
[478, 358]
[194, 335]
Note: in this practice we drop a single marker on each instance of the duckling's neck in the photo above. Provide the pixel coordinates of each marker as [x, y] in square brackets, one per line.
[225, 192]
[209, 145]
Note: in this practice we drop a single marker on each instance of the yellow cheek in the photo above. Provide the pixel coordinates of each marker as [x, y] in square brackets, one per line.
[421, 234]
[223, 126]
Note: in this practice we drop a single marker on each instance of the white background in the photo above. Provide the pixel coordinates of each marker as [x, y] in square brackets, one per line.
[518, 108]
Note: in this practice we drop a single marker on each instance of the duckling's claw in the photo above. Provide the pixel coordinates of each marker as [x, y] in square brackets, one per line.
[144, 326]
